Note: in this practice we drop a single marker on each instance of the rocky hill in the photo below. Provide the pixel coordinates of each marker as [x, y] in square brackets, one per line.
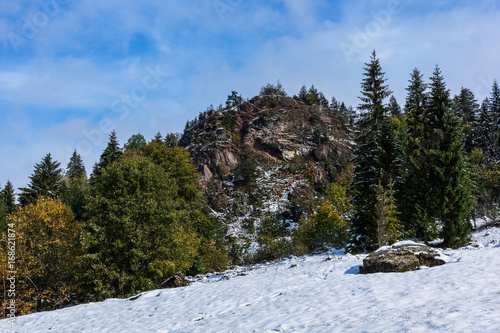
[268, 156]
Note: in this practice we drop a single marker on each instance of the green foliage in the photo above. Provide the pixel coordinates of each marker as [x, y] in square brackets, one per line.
[75, 168]
[136, 141]
[148, 222]
[373, 156]
[172, 140]
[274, 239]
[45, 182]
[233, 100]
[111, 153]
[9, 198]
[325, 229]
[245, 172]
[388, 227]
[273, 90]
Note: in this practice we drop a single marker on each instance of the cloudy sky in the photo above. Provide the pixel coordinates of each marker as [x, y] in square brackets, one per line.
[73, 70]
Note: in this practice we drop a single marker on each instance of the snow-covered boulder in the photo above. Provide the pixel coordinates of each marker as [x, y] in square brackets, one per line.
[401, 257]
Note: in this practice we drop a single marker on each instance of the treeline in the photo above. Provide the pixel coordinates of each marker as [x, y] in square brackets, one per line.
[426, 172]
[136, 223]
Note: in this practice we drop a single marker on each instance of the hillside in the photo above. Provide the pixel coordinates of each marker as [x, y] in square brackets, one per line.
[296, 150]
[321, 293]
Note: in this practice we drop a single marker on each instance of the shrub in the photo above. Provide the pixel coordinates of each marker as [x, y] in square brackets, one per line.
[324, 229]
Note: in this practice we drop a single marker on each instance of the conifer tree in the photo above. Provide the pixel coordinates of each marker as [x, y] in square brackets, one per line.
[75, 168]
[45, 182]
[394, 108]
[494, 109]
[370, 157]
[9, 198]
[411, 198]
[76, 187]
[447, 173]
[111, 153]
[482, 133]
[136, 141]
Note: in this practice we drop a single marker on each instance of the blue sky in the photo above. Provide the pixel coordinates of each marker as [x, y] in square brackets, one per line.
[72, 70]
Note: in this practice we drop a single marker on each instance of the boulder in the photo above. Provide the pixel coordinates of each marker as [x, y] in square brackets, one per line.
[401, 257]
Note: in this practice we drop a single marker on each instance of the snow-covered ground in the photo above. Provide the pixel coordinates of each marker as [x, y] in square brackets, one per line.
[322, 293]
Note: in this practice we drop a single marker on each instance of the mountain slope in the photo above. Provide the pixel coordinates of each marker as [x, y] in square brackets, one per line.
[322, 293]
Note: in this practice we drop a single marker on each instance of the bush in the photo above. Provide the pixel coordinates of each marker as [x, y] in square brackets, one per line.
[325, 229]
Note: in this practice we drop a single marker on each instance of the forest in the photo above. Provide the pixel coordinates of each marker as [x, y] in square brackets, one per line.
[140, 220]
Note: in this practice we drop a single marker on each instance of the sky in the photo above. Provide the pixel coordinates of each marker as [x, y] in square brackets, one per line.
[71, 71]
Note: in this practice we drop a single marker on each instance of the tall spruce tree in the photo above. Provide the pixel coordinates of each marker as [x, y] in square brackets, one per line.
[76, 187]
[483, 135]
[448, 173]
[394, 108]
[45, 182]
[411, 195]
[466, 107]
[370, 157]
[111, 153]
[9, 198]
[494, 108]
[75, 168]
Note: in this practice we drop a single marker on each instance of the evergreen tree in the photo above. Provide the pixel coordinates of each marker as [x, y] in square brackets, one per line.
[494, 109]
[494, 104]
[445, 167]
[111, 153]
[159, 138]
[411, 197]
[369, 157]
[76, 187]
[465, 105]
[394, 108]
[136, 141]
[245, 172]
[9, 198]
[172, 140]
[75, 168]
[233, 100]
[482, 133]
[45, 182]
[273, 90]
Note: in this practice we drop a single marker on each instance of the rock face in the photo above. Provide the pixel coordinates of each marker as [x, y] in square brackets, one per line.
[297, 149]
[401, 257]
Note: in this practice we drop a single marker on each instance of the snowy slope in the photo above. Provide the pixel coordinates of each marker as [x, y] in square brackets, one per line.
[307, 294]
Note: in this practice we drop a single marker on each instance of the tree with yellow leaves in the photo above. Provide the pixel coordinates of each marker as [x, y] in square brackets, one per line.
[46, 251]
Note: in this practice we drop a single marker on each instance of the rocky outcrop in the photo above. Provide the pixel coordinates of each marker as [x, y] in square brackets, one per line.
[401, 257]
[277, 128]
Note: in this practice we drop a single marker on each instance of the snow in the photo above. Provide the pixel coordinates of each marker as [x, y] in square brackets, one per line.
[321, 293]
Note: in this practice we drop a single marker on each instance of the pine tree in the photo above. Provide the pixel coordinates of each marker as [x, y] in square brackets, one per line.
[136, 141]
[482, 133]
[273, 90]
[9, 198]
[159, 138]
[465, 106]
[75, 168]
[111, 153]
[172, 140]
[411, 196]
[45, 182]
[76, 187]
[394, 108]
[369, 157]
[494, 108]
[445, 167]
